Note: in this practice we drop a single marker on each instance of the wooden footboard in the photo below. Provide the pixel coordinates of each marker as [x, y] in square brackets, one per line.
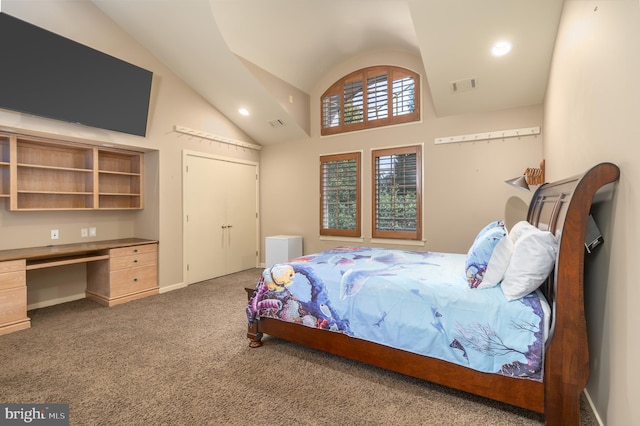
[561, 207]
[522, 393]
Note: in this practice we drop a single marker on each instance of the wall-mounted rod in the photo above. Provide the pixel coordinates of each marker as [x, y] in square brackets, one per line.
[209, 136]
[498, 134]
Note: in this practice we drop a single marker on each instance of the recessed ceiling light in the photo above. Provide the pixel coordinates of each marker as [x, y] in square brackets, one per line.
[243, 111]
[501, 48]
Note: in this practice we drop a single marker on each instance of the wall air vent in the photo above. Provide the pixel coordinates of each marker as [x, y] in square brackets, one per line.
[463, 85]
[276, 123]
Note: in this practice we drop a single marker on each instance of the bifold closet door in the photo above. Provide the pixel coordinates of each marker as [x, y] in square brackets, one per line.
[221, 222]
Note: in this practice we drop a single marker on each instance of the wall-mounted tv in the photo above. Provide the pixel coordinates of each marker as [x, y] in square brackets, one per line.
[44, 74]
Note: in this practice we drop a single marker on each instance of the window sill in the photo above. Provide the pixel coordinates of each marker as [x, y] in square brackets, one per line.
[345, 239]
[390, 241]
[386, 241]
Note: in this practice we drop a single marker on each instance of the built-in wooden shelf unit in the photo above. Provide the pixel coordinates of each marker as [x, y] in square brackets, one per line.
[41, 174]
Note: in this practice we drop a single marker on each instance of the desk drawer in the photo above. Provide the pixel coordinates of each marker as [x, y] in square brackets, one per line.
[12, 279]
[12, 274]
[133, 250]
[12, 266]
[13, 305]
[132, 280]
[134, 260]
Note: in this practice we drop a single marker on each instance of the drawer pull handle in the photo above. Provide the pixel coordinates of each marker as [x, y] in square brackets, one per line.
[135, 250]
[135, 261]
[135, 280]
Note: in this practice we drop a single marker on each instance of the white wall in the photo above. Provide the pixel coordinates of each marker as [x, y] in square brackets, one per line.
[592, 114]
[463, 182]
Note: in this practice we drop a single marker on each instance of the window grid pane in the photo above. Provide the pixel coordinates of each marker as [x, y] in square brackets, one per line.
[396, 192]
[339, 194]
[403, 91]
[353, 102]
[377, 102]
[331, 111]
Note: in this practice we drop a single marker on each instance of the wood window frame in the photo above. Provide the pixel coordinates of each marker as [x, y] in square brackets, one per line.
[393, 73]
[396, 234]
[337, 232]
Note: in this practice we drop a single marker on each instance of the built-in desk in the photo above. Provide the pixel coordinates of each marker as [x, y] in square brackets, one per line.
[117, 271]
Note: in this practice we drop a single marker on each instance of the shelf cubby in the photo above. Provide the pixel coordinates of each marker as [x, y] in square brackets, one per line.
[54, 201]
[5, 169]
[55, 156]
[120, 180]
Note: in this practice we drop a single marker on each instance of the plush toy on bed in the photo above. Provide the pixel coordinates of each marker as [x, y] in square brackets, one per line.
[278, 276]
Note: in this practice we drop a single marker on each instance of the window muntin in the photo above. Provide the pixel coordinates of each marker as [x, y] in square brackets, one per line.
[340, 195]
[397, 193]
[371, 97]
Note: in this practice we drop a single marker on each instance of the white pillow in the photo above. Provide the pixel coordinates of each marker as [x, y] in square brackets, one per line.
[498, 264]
[532, 260]
[520, 228]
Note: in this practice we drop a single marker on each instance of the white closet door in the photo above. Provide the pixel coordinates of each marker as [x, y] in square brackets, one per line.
[241, 217]
[219, 194]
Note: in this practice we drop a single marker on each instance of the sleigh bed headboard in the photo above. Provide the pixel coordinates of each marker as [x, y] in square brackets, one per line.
[563, 208]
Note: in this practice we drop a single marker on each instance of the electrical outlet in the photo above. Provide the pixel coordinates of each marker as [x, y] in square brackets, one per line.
[84, 232]
[54, 234]
[92, 231]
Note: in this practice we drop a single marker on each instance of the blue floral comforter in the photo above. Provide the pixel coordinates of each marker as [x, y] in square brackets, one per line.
[416, 301]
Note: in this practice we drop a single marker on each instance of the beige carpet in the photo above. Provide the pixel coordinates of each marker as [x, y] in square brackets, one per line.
[182, 358]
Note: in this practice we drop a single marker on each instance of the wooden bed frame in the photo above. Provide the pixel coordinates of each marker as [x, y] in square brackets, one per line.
[562, 207]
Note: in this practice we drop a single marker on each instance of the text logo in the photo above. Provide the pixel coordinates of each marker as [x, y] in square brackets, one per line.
[34, 414]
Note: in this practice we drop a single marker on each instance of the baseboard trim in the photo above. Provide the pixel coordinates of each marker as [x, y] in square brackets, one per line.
[57, 301]
[172, 287]
[593, 408]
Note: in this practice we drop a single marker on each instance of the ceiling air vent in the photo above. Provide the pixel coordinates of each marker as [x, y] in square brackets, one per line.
[463, 85]
[276, 123]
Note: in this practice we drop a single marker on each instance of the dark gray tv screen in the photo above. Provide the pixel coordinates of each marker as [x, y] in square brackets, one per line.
[44, 74]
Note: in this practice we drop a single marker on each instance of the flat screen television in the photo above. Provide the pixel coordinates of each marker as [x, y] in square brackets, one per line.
[45, 74]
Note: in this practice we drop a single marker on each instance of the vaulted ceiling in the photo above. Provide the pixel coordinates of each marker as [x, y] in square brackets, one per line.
[224, 49]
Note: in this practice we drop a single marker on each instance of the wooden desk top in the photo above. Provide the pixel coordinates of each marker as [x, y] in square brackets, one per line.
[53, 251]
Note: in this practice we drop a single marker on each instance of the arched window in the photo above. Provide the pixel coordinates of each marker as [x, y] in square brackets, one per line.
[371, 97]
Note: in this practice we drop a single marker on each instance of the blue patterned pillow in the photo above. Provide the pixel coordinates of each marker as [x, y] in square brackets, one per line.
[488, 257]
[490, 226]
